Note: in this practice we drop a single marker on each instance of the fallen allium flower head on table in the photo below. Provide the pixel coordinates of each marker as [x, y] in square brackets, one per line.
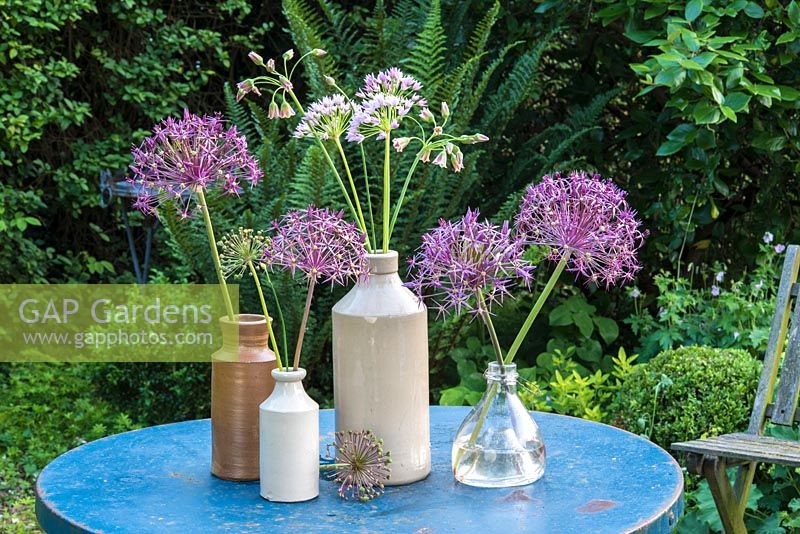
[361, 464]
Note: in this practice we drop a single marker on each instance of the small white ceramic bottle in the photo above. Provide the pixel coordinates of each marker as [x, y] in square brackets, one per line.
[289, 440]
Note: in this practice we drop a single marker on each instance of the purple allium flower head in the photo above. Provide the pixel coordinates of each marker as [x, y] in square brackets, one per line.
[459, 259]
[720, 276]
[780, 247]
[184, 156]
[319, 243]
[587, 218]
[385, 99]
[326, 118]
[715, 291]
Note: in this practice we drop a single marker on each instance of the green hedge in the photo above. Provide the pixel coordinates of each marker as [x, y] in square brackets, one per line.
[688, 393]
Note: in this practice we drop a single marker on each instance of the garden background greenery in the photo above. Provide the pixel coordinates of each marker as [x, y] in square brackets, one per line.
[691, 106]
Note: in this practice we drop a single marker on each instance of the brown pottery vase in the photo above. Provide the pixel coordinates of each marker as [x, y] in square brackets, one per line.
[241, 378]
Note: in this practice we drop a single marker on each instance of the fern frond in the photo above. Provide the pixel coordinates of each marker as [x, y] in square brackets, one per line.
[308, 32]
[426, 59]
[467, 109]
[516, 86]
[236, 112]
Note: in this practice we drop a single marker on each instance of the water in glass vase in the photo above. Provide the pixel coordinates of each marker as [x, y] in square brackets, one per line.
[499, 444]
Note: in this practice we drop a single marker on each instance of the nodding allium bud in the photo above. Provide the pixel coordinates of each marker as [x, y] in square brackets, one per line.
[318, 52]
[270, 65]
[246, 86]
[289, 54]
[400, 143]
[479, 138]
[255, 58]
[426, 115]
[286, 110]
[274, 112]
[285, 83]
[425, 156]
[441, 159]
[457, 160]
[329, 80]
[445, 110]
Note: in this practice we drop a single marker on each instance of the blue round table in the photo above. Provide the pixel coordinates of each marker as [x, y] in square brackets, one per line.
[599, 479]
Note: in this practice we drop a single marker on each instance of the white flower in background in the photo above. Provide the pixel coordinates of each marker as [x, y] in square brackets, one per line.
[768, 237]
[715, 291]
[720, 276]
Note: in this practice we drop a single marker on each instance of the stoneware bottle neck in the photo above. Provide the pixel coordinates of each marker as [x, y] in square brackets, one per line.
[383, 264]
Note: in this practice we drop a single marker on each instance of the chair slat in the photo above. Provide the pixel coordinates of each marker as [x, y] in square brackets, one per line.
[745, 447]
[777, 335]
[785, 404]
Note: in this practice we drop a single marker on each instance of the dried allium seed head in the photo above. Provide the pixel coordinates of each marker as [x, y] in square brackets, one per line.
[362, 466]
[239, 249]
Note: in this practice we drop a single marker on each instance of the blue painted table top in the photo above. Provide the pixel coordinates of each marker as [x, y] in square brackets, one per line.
[599, 479]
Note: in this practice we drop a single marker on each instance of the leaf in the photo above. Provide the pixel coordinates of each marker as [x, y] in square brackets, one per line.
[560, 315]
[607, 328]
[794, 13]
[719, 98]
[669, 147]
[787, 37]
[754, 10]
[683, 132]
[691, 64]
[728, 112]
[767, 90]
[737, 101]
[641, 36]
[704, 113]
[693, 9]
[584, 324]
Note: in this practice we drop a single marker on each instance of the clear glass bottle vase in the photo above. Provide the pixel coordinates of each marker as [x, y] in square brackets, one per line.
[499, 445]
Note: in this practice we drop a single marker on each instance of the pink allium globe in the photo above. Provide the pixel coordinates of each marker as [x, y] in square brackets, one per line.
[457, 260]
[386, 98]
[320, 244]
[187, 155]
[588, 218]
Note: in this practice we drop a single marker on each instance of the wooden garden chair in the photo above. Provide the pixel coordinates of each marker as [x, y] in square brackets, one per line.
[711, 457]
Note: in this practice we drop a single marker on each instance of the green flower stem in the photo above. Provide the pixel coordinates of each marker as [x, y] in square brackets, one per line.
[403, 193]
[386, 184]
[369, 195]
[332, 165]
[323, 467]
[537, 307]
[299, 348]
[361, 221]
[266, 314]
[212, 243]
[492, 391]
[280, 312]
[487, 320]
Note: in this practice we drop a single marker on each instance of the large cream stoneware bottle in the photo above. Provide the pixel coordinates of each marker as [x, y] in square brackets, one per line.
[380, 367]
